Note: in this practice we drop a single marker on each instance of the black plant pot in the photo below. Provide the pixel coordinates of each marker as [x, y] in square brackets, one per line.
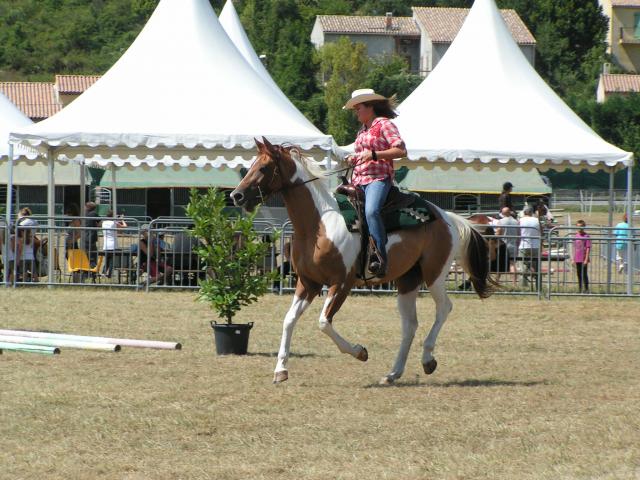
[231, 338]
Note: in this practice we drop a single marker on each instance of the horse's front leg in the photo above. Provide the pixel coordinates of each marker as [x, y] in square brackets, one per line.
[335, 298]
[301, 300]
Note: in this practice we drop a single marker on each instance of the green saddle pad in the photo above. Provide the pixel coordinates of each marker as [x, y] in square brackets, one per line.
[414, 215]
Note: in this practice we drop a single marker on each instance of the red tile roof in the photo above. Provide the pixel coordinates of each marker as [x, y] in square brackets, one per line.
[443, 24]
[625, 3]
[400, 26]
[74, 84]
[620, 83]
[37, 100]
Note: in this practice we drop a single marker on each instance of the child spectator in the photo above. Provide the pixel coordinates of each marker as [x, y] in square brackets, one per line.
[581, 251]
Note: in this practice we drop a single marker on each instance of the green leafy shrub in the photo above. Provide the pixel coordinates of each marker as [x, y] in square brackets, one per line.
[232, 252]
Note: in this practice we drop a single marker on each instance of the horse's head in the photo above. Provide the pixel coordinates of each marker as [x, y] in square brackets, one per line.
[271, 171]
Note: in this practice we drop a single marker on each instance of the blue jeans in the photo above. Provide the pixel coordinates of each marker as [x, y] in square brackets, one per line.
[375, 194]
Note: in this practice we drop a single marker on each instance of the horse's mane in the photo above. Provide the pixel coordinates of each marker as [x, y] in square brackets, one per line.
[310, 166]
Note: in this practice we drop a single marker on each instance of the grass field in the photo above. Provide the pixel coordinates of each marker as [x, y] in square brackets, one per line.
[525, 389]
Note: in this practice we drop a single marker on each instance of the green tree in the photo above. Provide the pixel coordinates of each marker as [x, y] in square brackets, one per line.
[344, 66]
[231, 250]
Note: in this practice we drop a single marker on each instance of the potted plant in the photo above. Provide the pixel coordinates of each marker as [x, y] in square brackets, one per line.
[231, 251]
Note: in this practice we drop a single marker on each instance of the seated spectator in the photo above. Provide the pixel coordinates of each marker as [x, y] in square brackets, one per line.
[159, 271]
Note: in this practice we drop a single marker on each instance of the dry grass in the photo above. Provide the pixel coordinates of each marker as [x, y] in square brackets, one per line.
[524, 390]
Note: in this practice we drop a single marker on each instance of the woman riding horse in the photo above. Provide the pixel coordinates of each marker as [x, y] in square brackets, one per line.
[378, 143]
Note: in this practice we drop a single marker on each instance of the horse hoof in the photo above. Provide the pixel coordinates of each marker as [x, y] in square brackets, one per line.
[280, 377]
[387, 380]
[363, 355]
[430, 366]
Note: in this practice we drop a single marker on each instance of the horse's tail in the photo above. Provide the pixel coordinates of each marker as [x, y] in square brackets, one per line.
[473, 256]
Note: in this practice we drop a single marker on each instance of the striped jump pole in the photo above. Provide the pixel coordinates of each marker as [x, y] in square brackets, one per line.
[52, 342]
[125, 342]
[27, 348]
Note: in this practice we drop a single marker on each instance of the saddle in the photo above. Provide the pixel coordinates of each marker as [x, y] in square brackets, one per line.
[400, 211]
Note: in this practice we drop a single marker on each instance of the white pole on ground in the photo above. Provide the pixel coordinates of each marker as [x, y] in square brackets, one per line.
[55, 342]
[125, 342]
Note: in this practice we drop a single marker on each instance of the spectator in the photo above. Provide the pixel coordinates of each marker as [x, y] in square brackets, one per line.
[109, 239]
[148, 260]
[622, 234]
[581, 251]
[509, 229]
[530, 233]
[92, 223]
[23, 246]
[505, 197]
[498, 256]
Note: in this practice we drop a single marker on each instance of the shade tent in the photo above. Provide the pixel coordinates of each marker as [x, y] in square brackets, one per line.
[181, 94]
[485, 104]
[233, 27]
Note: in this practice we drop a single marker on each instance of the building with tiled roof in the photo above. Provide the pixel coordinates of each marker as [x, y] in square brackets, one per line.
[617, 84]
[37, 100]
[40, 100]
[422, 39]
[623, 37]
[382, 36]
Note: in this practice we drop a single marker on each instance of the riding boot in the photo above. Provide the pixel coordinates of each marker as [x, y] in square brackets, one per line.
[377, 263]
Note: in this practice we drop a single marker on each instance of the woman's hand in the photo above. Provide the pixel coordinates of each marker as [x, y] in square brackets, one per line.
[365, 156]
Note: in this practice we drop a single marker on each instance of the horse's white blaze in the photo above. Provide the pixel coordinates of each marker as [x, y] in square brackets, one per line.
[335, 228]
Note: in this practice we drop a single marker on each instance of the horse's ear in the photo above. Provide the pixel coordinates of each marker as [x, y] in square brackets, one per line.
[259, 145]
[268, 145]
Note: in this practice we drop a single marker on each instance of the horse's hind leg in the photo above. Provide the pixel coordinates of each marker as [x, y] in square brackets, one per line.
[409, 319]
[301, 300]
[443, 307]
[335, 298]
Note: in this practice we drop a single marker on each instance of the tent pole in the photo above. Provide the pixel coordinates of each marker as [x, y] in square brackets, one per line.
[114, 201]
[51, 211]
[612, 204]
[630, 262]
[610, 245]
[9, 209]
[83, 185]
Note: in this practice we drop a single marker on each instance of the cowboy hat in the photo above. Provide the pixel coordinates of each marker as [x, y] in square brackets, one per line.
[363, 95]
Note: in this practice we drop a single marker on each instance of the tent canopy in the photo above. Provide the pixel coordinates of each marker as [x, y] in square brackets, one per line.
[12, 118]
[181, 94]
[485, 104]
[466, 179]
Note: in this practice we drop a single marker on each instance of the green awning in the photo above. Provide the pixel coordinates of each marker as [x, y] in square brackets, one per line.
[181, 178]
[470, 180]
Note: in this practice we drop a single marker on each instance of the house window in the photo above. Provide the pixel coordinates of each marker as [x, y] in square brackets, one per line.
[636, 25]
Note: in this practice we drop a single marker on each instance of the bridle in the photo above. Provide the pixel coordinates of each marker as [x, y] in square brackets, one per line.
[277, 173]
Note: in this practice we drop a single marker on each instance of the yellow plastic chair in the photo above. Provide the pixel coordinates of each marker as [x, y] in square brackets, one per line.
[77, 261]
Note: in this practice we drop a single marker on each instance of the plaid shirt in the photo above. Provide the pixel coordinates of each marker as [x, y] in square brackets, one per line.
[381, 135]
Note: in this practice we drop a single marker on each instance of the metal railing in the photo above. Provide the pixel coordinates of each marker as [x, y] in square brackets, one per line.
[81, 257]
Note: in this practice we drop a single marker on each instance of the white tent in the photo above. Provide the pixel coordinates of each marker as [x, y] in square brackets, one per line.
[235, 31]
[12, 118]
[485, 104]
[181, 94]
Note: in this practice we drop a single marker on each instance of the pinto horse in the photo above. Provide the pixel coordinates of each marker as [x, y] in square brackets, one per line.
[326, 253]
